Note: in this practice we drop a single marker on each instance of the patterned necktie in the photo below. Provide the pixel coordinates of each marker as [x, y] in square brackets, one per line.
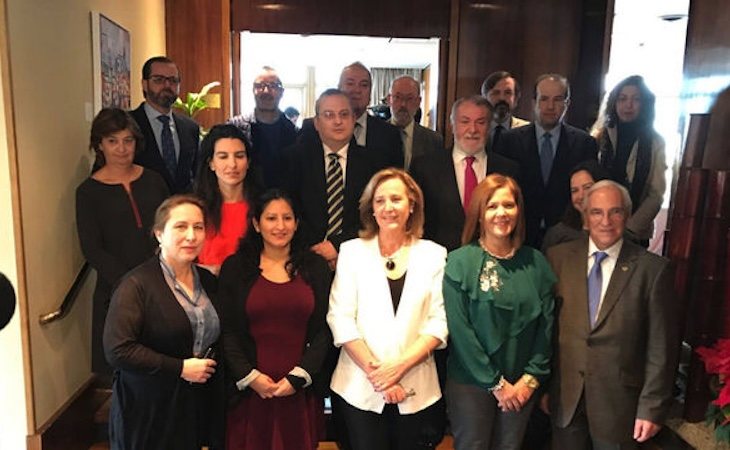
[335, 195]
[546, 156]
[595, 283]
[470, 181]
[168, 146]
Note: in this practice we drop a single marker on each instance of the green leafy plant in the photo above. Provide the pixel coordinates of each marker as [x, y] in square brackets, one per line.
[195, 101]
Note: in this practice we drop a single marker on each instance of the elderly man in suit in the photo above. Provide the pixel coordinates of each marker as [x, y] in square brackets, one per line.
[502, 91]
[447, 178]
[171, 139]
[546, 151]
[617, 332]
[405, 99]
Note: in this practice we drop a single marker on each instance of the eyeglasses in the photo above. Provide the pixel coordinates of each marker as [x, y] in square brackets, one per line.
[161, 79]
[264, 85]
[331, 115]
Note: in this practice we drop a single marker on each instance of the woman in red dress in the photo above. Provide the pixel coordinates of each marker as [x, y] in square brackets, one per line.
[223, 184]
[274, 294]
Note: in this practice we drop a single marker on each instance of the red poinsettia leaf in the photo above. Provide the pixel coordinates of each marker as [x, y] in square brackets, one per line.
[723, 397]
[717, 357]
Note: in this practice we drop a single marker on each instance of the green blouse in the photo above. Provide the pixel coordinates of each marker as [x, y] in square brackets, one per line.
[500, 315]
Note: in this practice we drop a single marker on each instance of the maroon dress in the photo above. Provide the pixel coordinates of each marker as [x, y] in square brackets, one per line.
[278, 315]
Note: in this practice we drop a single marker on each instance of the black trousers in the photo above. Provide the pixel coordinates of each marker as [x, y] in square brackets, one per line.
[392, 430]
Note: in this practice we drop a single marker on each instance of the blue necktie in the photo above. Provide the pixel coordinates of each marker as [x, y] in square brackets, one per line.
[595, 282]
[546, 156]
[168, 146]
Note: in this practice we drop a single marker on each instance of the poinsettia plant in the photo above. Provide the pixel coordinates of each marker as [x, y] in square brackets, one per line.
[717, 362]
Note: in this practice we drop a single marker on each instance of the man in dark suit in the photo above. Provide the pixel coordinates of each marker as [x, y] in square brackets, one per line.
[310, 162]
[405, 99]
[381, 139]
[502, 91]
[546, 151]
[443, 176]
[170, 139]
[617, 334]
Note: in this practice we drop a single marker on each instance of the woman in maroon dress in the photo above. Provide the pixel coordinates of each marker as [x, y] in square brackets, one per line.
[274, 294]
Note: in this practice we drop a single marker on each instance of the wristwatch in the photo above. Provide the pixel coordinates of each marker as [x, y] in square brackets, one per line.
[530, 381]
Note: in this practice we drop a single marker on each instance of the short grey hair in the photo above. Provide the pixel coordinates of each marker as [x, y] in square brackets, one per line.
[477, 100]
[610, 184]
[355, 65]
[413, 81]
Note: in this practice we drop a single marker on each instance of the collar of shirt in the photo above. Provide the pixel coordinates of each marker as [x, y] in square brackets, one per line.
[612, 251]
[554, 135]
[171, 280]
[459, 155]
[152, 115]
[342, 153]
[507, 124]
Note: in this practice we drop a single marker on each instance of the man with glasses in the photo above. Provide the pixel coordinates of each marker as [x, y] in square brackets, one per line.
[268, 129]
[170, 139]
[546, 151]
[617, 328]
[327, 175]
[405, 99]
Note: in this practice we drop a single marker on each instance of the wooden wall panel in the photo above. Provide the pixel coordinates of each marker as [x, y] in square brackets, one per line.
[198, 40]
[402, 18]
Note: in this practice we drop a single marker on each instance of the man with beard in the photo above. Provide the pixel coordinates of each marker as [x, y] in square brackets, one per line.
[502, 91]
[405, 99]
[447, 178]
[268, 129]
[170, 139]
[546, 151]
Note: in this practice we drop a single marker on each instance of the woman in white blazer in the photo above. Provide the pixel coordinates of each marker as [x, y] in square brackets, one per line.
[387, 314]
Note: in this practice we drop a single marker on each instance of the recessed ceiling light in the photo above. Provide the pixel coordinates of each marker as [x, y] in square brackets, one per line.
[491, 6]
[272, 6]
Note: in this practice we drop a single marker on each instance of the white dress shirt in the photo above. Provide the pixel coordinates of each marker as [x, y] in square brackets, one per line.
[607, 265]
[479, 165]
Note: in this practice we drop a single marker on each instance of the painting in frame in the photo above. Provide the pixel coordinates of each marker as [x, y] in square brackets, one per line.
[111, 60]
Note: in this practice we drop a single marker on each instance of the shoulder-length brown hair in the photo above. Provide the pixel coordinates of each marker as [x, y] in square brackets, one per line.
[478, 205]
[414, 224]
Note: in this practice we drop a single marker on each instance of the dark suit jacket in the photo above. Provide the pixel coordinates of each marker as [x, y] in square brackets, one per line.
[425, 141]
[625, 365]
[382, 141]
[188, 132]
[308, 188]
[444, 211]
[545, 200]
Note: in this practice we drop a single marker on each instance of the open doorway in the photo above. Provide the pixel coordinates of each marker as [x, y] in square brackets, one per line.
[648, 39]
[307, 65]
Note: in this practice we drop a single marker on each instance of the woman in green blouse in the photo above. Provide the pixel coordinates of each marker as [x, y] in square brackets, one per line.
[499, 308]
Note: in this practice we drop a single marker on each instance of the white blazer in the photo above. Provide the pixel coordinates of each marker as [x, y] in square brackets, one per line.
[361, 308]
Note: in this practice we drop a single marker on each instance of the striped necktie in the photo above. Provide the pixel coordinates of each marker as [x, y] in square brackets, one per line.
[335, 195]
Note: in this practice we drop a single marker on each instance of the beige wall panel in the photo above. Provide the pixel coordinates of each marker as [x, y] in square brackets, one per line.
[51, 70]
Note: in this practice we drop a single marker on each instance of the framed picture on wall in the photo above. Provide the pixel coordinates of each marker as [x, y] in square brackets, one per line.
[111, 63]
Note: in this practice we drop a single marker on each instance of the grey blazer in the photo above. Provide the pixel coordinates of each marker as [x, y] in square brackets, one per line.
[625, 365]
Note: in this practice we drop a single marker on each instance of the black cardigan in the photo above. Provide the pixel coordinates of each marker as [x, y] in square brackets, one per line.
[237, 277]
[147, 336]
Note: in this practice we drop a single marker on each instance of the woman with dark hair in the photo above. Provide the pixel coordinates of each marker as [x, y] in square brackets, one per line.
[387, 314]
[571, 227]
[274, 292]
[223, 184]
[115, 207]
[499, 307]
[161, 336]
[633, 153]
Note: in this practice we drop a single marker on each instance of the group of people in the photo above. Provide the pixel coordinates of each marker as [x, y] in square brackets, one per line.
[243, 280]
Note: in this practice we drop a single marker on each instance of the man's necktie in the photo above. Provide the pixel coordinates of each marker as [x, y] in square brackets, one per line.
[496, 132]
[168, 146]
[335, 195]
[595, 282]
[470, 181]
[546, 156]
[359, 138]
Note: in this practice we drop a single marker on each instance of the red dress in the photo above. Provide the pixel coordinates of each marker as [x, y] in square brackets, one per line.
[219, 246]
[278, 314]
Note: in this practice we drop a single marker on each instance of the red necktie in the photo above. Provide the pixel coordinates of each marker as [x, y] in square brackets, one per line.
[470, 181]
